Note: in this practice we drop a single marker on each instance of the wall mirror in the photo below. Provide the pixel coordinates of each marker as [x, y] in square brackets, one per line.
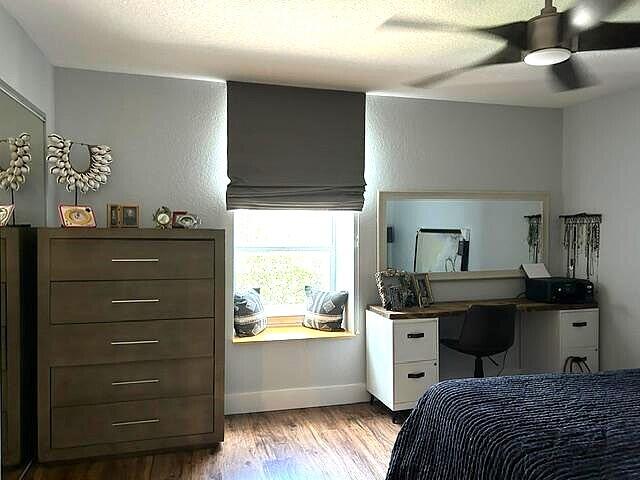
[18, 116]
[462, 235]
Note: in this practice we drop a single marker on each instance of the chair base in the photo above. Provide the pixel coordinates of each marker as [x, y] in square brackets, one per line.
[479, 370]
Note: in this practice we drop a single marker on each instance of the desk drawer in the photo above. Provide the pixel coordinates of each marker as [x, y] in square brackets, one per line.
[99, 343]
[411, 380]
[415, 341]
[579, 328]
[116, 259]
[128, 421]
[93, 302]
[591, 356]
[131, 381]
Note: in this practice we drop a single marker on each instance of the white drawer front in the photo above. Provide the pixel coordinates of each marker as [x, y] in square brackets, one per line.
[591, 355]
[415, 341]
[411, 380]
[579, 328]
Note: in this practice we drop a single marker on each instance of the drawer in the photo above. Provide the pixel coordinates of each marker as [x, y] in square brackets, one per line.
[129, 421]
[415, 341]
[131, 381]
[579, 329]
[3, 304]
[93, 302]
[411, 380]
[115, 259]
[99, 343]
[3, 346]
[591, 355]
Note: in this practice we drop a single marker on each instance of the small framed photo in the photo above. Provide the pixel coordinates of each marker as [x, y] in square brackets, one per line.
[114, 216]
[5, 214]
[396, 290]
[422, 288]
[175, 216]
[77, 216]
[130, 216]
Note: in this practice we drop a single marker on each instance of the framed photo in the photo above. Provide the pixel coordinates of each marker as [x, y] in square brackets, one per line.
[396, 290]
[5, 214]
[114, 216]
[77, 216]
[130, 216]
[175, 216]
[422, 289]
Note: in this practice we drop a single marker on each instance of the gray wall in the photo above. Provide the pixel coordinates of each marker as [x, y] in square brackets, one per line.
[601, 170]
[169, 138]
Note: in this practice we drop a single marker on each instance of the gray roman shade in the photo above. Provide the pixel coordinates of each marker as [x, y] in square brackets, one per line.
[292, 148]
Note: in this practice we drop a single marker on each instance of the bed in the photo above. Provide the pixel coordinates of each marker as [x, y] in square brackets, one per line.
[555, 426]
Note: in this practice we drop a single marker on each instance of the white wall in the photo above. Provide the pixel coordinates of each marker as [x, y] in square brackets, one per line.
[601, 170]
[169, 143]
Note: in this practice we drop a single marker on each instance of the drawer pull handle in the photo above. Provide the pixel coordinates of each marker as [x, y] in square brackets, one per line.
[415, 375]
[134, 342]
[135, 382]
[135, 260]
[135, 422]
[415, 335]
[579, 324]
[136, 300]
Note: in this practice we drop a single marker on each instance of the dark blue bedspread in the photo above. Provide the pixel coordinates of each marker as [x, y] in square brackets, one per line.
[524, 427]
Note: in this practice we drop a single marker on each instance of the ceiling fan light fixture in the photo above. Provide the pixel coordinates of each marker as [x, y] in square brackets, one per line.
[547, 56]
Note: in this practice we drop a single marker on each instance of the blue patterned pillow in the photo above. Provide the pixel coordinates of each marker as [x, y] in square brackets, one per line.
[325, 310]
[249, 318]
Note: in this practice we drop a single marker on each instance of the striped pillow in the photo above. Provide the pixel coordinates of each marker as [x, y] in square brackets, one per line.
[325, 310]
[249, 318]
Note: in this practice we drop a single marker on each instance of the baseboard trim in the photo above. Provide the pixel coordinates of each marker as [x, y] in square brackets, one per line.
[290, 398]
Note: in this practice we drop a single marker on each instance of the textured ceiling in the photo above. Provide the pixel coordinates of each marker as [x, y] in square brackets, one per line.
[324, 43]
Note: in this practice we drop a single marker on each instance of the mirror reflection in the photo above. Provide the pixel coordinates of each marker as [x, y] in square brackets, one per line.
[460, 235]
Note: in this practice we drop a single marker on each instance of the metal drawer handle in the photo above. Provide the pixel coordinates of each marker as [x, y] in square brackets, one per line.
[135, 382]
[135, 422]
[137, 300]
[415, 335]
[415, 375]
[133, 342]
[579, 324]
[135, 260]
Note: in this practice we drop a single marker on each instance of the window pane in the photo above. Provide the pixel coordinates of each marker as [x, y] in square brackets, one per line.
[282, 276]
[282, 228]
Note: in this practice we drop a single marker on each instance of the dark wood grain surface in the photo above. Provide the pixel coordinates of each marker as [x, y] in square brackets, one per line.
[447, 309]
[351, 442]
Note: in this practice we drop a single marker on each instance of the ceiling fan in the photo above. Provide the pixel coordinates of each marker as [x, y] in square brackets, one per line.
[550, 39]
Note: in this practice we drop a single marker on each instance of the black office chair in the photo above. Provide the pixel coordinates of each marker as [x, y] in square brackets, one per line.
[487, 330]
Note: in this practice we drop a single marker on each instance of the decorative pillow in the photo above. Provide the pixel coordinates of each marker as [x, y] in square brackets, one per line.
[248, 312]
[325, 310]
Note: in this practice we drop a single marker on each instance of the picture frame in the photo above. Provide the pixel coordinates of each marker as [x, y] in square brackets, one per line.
[77, 216]
[5, 214]
[175, 216]
[114, 216]
[129, 216]
[422, 289]
[396, 290]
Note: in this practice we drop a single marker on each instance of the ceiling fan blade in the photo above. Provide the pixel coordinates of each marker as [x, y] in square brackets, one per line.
[571, 75]
[610, 36]
[586, 14]
[508, 54]
[515, 33]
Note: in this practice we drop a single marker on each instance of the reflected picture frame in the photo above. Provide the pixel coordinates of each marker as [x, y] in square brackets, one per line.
[422, 288]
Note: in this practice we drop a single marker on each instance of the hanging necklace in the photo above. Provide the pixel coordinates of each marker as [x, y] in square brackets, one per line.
[19, 162]
[90, 179]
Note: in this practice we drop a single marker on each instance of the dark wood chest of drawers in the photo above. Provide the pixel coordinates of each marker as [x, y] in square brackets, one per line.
[130, 341]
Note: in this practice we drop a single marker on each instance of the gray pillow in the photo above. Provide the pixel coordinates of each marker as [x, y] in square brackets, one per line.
[325, 310]
[249, 318]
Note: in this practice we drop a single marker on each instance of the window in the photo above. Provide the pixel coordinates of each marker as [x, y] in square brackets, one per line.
[282, 251]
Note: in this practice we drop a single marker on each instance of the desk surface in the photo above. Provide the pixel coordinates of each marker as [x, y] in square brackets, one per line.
[447, 309]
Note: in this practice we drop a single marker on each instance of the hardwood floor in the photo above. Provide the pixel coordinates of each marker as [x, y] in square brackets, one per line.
[351, 442]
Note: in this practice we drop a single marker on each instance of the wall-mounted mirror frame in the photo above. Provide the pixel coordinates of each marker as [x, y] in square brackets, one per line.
[29, 106]
[386, 196]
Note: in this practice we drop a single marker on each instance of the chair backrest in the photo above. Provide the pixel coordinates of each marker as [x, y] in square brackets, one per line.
[489, 328]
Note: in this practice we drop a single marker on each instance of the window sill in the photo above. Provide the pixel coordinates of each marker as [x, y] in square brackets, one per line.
[297, 332]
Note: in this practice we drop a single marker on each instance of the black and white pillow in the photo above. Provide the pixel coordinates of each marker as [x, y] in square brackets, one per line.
[325, 310]
[249, 318]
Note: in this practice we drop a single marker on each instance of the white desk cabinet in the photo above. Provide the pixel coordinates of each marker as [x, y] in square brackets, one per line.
[548, 338]
[402, 359]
